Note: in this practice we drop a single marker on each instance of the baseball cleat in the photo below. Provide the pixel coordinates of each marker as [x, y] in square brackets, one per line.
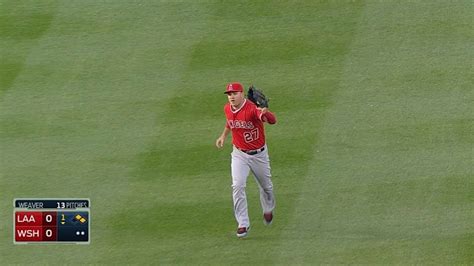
[242, 232]
[268, 218]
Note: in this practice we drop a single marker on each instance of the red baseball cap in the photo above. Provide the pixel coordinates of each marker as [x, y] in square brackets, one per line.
[234, 86]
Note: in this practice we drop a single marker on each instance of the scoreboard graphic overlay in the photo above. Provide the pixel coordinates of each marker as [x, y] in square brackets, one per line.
[51, 221]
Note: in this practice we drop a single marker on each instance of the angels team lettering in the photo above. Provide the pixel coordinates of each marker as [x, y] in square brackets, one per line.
[241, 124]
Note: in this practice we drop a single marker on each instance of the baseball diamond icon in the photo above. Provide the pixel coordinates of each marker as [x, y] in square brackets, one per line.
[79, 218]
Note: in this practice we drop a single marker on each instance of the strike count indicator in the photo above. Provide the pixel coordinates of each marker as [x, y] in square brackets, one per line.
[51, 221]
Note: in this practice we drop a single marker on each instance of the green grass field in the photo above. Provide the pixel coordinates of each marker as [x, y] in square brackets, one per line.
[121, 102]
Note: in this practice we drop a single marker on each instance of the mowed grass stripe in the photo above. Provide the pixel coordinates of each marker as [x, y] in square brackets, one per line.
[392, 179]
[16, 30]
[82, 129]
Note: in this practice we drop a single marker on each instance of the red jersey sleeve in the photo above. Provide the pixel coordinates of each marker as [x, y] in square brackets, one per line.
[270, 117]
[267, 117]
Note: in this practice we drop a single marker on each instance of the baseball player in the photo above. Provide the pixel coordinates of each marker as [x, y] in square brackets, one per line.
[250, 153]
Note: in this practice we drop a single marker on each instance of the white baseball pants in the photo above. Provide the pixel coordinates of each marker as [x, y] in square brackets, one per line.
[241, 165]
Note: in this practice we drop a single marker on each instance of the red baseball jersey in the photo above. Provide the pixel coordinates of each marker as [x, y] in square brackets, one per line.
[246, 125]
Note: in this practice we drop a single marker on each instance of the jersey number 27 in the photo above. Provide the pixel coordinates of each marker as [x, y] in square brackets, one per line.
[250, 136]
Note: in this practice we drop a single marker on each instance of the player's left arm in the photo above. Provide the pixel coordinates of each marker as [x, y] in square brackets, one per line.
[266, 116]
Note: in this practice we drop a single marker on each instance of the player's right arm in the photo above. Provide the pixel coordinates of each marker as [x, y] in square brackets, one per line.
[220, 141]
[266, 116]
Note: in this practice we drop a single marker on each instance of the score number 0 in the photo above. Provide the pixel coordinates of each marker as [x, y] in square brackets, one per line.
[49, 232]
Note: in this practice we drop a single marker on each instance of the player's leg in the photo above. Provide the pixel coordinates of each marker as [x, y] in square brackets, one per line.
[240, 171]
[260, 166]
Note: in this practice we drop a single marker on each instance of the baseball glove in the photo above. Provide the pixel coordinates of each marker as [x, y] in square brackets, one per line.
[257, 97]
